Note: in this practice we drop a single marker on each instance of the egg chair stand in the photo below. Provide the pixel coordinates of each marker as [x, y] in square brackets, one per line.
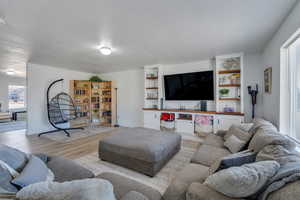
[61, 109]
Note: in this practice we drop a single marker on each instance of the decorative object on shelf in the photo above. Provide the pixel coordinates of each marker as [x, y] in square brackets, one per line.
[224, 92]
[228, 109]
[61, 109]
[222, 80]
[203, 104]
[231, 63]
[234, 78]
[167, 122]
[253, 94]
[268, 80]
[116, 124]
[95, 79]
[161, 103]
[203, 125]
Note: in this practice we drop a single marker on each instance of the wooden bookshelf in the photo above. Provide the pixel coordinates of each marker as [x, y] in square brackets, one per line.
[229, 99]
[230, 85]
[152, 78]
[95, 102]
[230, 71]
[152, 88]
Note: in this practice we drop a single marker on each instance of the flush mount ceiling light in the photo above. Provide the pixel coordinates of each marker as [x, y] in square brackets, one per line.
[10, 72]
[105, 50]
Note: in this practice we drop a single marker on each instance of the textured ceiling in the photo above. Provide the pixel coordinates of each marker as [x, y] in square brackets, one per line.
[66, 33]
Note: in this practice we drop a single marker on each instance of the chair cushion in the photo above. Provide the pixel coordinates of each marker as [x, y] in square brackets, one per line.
[67, 170]
[214, 140]
[243, 181]
[123, 185]
[13, 157]
[266, 136]
[207, 154]
[35, 171]
[133, 195]
[178, 187]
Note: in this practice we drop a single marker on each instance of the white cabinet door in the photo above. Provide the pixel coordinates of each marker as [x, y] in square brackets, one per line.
[223, 122]
[152, 120]
[185, 126]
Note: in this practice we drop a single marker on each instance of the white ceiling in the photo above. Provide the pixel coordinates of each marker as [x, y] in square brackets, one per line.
[66, 33]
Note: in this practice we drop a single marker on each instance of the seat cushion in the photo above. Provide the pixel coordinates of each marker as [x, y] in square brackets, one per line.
[207, 154]
[133, 195]
[214, 140]
[123, 185]
[198, 191]
[191, 173]
[67, 170]
[288, 192]
[140, 143]
[5, 181]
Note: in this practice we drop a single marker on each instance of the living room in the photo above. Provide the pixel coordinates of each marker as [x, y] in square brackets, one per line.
[145, 100]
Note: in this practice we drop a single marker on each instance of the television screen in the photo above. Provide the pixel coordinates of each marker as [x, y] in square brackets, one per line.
[190, 86]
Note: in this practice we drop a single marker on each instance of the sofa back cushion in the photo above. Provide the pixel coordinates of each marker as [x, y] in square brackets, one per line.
[268, 136]
[13, 157]
[279, 154]
[259, 123]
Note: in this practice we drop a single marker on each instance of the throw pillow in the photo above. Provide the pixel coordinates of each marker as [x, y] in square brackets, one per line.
[87, 189]
[259, 123]
[234, 144]
[233, 160]
[5, 179]
[238, 132]
[13, 157]
[35, 171]
[244, 181]
[279, 154]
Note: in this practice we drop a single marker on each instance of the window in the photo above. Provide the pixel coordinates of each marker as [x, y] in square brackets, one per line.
[16, 97]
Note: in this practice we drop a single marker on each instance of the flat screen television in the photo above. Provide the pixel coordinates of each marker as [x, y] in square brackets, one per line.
[189, 86]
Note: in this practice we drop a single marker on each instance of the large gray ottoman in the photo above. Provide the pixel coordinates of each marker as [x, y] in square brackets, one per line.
[140, 149]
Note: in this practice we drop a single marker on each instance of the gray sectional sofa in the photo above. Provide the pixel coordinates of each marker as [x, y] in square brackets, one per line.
[188, 184]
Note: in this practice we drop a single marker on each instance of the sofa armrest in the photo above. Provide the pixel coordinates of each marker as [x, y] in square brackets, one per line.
[221, 133]
[198, 191]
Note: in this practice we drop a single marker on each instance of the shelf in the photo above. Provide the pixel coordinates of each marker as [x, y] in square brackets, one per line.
[230, 85]
[152, 78]
[230, 71]
[194, 111]
[230, 113]
[152, 98]
[229, 99]
[152, 88]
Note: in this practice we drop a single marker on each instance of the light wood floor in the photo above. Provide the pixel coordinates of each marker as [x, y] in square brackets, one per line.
[72, 150]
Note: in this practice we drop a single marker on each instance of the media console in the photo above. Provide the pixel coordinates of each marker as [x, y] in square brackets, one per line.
[191, 124]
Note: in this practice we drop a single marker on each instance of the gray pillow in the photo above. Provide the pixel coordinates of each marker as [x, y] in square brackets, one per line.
[279, 154]
[259, 123]
[233, 160]
[239, 133]
[244, 181]
[5, 184]
[13, 157]
[35, 171]
[234, 144]
[264, 137]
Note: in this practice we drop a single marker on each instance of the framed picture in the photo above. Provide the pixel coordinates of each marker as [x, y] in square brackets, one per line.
[268, 80]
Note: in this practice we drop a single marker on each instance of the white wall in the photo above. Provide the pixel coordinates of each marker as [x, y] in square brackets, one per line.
[271, 58]
[130, 86]
[39, 77]
[5, 81]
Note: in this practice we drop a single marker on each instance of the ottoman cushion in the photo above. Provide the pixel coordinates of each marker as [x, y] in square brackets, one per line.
[140, 149]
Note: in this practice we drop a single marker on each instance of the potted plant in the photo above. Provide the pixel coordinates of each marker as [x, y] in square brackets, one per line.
[224, 92]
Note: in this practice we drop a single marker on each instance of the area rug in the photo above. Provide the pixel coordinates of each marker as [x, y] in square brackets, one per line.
[78, 134]
[159, 182]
